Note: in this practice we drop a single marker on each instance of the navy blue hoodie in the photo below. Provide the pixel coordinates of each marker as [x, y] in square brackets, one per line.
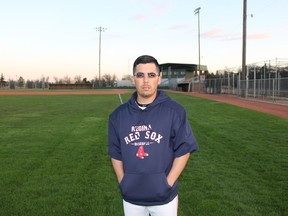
[147, 142]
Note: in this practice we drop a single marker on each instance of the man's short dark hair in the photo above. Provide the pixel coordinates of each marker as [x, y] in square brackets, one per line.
[144, 59]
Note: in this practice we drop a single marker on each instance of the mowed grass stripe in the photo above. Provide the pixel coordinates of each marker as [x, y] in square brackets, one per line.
[54, 159]
[55, 162]
[242, 165]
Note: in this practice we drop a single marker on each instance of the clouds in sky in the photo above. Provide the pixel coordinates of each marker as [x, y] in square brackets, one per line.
[178, 26]
[150, 8]
[221, 35]
[57, 37]
[258, 36]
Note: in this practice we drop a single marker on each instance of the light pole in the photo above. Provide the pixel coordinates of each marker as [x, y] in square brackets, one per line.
[100, 29]
[197, 11]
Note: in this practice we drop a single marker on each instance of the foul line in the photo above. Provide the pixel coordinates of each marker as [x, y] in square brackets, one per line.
[120, 98]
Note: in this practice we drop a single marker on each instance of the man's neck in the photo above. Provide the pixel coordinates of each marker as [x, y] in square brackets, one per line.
[145, 101]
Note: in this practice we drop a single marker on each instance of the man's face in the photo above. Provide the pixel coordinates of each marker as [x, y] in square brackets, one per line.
[146, 82]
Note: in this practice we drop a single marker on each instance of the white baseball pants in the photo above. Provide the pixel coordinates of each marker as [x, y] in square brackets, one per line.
[169, 209]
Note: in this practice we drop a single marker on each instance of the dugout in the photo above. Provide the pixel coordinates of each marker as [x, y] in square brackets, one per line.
[183, 77]
[71, 86]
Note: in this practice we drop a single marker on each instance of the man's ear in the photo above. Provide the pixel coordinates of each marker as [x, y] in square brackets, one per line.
[160, 79]
[133, 80]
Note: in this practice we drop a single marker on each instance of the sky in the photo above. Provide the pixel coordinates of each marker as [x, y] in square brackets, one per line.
[57, 38]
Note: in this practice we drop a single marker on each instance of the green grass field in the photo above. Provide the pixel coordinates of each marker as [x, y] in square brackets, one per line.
[53, 153]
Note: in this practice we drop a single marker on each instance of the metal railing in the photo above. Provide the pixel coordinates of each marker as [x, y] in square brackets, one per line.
[267, 80]
[274, 89]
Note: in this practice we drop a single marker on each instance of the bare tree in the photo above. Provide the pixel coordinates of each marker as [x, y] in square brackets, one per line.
[77, 79]
[109, 80]
[56, 79]
[67, 80]
[127, 77]
[21, 82]
[85, 80]
[2, 81]
[44, 81]
[96, 81]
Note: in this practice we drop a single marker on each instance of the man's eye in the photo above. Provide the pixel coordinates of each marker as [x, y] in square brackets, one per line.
[152, 75]
[139, 75]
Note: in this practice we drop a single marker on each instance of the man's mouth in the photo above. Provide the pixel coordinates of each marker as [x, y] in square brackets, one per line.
[146, 87]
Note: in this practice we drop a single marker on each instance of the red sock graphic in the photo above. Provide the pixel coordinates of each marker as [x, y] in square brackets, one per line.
[141, 153]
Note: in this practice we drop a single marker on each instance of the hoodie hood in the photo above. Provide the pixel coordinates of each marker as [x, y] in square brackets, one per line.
[160, 98]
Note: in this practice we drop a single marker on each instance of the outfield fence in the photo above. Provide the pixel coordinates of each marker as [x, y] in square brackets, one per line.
[264, 80]
[266, 89]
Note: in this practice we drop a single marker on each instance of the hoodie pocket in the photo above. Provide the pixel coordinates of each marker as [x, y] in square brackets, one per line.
[145, 187]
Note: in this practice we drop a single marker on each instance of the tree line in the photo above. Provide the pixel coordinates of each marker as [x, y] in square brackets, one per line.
[106, 80]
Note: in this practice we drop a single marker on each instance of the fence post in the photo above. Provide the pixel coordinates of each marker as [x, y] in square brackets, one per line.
[273, 90]
[264, 86]
[278, 79]
[269, 84]
[247, 82]
[228, 84]
[233, 83]
[254, 82]
[239, 83]
[215, 80]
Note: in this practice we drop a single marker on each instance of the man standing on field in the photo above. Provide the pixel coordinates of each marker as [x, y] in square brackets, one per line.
[150, 141]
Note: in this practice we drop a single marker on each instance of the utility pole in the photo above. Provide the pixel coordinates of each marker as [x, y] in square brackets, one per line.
[197, 11]
[244, 40]
[100, 30]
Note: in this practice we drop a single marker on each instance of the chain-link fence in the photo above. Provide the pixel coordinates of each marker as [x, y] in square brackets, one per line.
[263, 81]
[257, 88]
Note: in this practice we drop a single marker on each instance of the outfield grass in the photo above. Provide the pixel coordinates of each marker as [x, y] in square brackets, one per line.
[53, 153]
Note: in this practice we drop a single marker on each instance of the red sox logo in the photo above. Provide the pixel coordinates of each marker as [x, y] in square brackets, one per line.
[140, 136]
[141, 153]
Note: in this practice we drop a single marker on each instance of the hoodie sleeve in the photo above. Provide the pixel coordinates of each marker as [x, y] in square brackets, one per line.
[114, 147]
[185, 141]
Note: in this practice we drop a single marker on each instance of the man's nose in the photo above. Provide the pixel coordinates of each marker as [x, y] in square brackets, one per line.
[145, 78]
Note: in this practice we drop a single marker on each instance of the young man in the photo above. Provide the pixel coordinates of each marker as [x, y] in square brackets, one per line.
[150, 141]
